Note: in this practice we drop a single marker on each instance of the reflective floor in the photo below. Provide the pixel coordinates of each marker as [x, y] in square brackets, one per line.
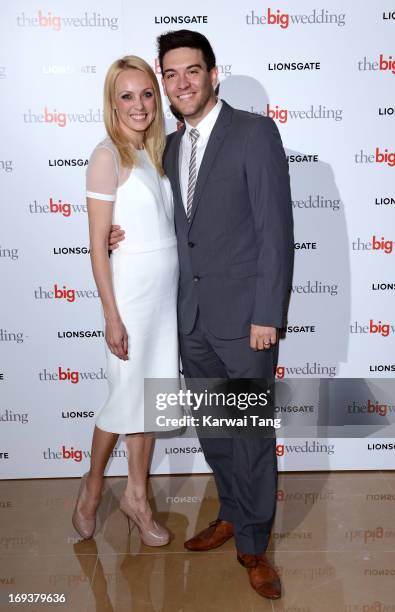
[333, 543]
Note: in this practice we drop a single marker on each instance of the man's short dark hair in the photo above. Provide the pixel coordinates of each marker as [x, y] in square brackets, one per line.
[185, 38]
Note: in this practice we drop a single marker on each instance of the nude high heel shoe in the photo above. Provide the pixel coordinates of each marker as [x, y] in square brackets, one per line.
[155, 535]
[84, 527]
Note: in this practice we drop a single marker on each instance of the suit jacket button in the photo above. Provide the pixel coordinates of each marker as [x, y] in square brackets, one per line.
[196, 279]
[191, 244]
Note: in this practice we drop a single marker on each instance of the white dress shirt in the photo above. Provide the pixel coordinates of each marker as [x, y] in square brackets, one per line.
[204, 128]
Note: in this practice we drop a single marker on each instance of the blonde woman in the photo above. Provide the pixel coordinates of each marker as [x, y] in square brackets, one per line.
[138, 286]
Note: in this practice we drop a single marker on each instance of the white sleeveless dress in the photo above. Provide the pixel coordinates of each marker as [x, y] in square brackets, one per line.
[145, 280]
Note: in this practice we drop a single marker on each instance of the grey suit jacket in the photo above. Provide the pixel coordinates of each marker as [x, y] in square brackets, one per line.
[236, 254]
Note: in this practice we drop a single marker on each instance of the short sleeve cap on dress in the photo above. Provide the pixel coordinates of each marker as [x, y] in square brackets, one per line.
[102, 173]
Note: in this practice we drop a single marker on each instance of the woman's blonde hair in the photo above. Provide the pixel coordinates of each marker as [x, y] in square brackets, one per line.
[155, 136]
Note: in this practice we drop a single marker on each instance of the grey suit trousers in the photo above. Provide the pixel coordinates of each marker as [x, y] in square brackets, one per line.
[245, 469]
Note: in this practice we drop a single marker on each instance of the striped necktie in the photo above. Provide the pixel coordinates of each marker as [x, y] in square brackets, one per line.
[193, 135]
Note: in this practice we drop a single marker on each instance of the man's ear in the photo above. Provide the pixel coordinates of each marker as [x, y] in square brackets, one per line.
[214, 77]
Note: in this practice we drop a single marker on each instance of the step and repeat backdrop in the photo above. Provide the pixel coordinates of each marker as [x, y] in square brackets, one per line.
[325, 72]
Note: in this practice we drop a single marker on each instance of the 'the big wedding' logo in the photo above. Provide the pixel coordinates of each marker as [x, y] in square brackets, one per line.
[383, 64]
[77, 454]
[57, 23]
[61, 118]
[380, 244]
[8, 336]
[283, 115]
[223, 71]
[309, 446]
[317, 202]
[9, 253]
[379, 157]
[58, 207]
[370, 407]
[276, 17]
[64, 293]
[70, 376]
[308, 369]
[374, 327]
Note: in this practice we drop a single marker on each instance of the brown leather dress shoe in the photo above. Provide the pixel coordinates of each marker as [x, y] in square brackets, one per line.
[263, 577]
[216, 534]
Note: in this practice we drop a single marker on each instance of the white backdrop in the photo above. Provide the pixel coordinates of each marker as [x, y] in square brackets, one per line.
[326, 73]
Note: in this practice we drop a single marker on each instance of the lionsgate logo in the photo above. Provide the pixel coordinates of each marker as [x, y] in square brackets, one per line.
[386, 111]
[77, 414]
[58, 207]
[382, 367]
[70, 376]
[308, 369]
[378, 157]
[383, 64]
[57, 23]
[316, 287]
[305, 246]
[299, 329]
[275, 17]
[383, 446]
[303, 158]
[167, 19]
[383, 286]
[86, 334]
[291, 66]
[385, 201]
[380, 244]
[317, 202]
[388, 15]
[6, 165]
[295, 408]
[373, 327]
[9, 253]
[77, 250]
[64, 293]
[62, 119]
[283, 115]
[183, 450]
[62, 69]
[67, 162]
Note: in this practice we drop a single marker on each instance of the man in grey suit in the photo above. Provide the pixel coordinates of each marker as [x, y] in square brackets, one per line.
[233, 216]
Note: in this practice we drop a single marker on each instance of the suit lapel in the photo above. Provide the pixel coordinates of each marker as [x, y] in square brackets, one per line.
[217, 135]
[175, 157]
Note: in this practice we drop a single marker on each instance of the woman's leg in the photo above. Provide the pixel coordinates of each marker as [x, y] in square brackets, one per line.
[103, 443]
[139, 455]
